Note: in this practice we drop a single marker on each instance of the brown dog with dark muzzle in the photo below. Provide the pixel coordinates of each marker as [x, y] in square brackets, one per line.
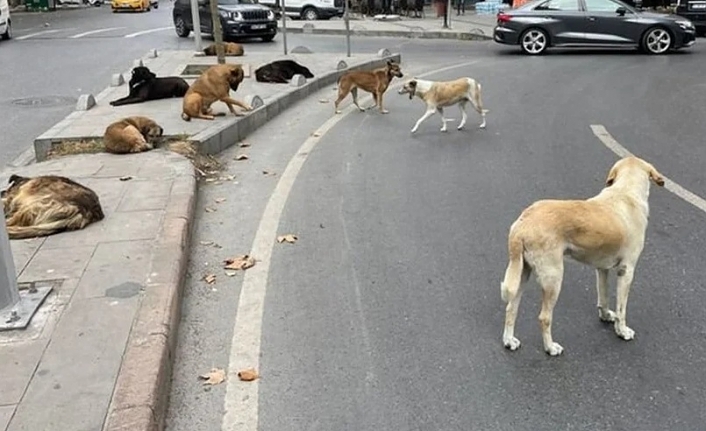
[214, 84]
[373, 81]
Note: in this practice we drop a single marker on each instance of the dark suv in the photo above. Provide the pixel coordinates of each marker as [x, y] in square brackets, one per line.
[239, 19]
[694, 11]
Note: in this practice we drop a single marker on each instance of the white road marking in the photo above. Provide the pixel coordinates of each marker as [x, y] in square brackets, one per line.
[605, 137]
[154, 30]
[241, 400]
[39, 33]
[87, 33]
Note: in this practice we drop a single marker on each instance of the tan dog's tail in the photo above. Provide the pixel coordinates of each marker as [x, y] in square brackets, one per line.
[44, 229]
[185, 117]
[480, 99]
[515, 268]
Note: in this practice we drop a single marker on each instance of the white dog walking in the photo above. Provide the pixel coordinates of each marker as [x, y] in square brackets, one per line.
[440, 94]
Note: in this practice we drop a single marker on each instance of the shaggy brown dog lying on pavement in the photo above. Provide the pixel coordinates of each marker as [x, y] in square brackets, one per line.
[45, 205]
[214, 84]
[229, 48]
[131, 135]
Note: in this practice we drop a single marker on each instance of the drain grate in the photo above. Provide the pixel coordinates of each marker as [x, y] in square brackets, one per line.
[45, 101]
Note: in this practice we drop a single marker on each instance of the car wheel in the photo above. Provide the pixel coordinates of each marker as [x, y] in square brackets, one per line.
[268, 38]
[534, 41]
[8, 32]
[310, 14]
[657, 40]
[180, 26]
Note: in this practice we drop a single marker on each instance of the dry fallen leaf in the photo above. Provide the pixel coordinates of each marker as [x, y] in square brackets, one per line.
[227, 178]
[316, 134]
[268, 173]
[248, 375]
[323, 100]
[220, 200]
[231, 273]
[210, 278]
[241, 157]
[241, 262]
[209, 209]
[243, 145]
[290, 238]
[126, 178]
[215, 377]
[206, 242]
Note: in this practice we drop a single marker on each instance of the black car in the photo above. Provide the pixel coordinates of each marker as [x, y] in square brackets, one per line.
[694, 11]
[539, 24]
[239, 19]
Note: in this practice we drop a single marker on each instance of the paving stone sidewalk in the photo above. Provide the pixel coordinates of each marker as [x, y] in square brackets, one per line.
[107, 322]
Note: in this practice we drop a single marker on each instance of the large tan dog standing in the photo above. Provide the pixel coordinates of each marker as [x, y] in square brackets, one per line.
[439, 94]
[214, 84]
[45, 205]
[375, 82]
[606, 232]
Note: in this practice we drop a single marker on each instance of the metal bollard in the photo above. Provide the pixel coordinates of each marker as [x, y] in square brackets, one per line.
[9, 294]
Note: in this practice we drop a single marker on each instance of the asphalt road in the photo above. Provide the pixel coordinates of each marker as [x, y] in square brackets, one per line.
[55, 57]
[386, 313]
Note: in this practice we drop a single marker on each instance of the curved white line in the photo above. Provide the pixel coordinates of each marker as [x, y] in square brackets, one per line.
[39, 33]
[87, 33]
[154, 30]
[241, 399]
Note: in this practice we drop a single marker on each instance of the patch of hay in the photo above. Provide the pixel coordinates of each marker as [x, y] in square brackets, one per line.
[69, 148]
[206, 165]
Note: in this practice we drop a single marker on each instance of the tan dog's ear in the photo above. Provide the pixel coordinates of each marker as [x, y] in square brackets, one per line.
[413, 86]
[238, 73]
[655, 176]
[612, 175]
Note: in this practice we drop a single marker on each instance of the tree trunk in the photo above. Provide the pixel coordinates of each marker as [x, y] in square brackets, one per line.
[217, 31]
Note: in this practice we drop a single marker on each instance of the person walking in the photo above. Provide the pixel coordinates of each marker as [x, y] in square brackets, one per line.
[460, 7]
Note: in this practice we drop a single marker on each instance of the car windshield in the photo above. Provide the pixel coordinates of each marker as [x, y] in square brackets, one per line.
[234, 2]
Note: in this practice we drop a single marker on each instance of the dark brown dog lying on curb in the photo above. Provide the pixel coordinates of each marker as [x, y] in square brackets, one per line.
[281, 71]
[144, 85]
[131, 135]
[46, 205]
[214, 84]
[373, 81]
[229, 48]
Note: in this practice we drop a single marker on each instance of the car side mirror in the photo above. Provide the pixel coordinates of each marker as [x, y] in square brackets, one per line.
[621, 11]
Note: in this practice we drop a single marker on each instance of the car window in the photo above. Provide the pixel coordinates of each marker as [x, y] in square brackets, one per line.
[564, 5]
[601, 6]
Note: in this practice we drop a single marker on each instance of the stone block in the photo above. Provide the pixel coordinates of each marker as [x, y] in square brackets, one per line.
[383, 53]
[254, 100]
[297, 80]
[153, 53]
[137, 63]
[308, 28]
[85, 102]
[117, 80]
[300, 49]
[341, 65]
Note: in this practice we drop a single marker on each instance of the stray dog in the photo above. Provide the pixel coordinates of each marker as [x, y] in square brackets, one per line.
[131, 135]
[45, 205]
[229, 48]
[144, 85]
[606, 232]
[438, 95]
[281, 71]
[214, 84]
[373, 81]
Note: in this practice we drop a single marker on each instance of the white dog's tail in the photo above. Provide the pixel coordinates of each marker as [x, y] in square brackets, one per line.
[479, 99]
[515, 268]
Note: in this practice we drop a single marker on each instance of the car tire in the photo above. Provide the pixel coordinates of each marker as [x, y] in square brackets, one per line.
[657, 41]
[310, 14]
[8, 32]
[534, 41]
[180, 27]
[268, 38]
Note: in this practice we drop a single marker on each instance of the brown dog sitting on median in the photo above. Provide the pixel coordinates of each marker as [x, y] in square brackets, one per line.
[45, 205]
[373, 81]
[231, 49]
[214, 84]
[131, 135]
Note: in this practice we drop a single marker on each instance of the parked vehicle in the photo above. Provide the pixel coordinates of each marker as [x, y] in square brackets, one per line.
[308, 9]
[694, 11]
[138, 5]
[5, 21]
[541, 24]
[239, 19]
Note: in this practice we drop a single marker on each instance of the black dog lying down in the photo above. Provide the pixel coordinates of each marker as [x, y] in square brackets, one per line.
[144, 85]
[281, 71]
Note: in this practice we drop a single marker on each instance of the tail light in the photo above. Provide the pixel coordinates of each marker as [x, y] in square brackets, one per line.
[503, 17]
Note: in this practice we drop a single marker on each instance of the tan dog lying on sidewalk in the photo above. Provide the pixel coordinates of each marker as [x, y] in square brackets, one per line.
[606, 232]
[230, 49]
[438, 95]
[131, 135]
[373, 81]
[45, 205]
[214, 84]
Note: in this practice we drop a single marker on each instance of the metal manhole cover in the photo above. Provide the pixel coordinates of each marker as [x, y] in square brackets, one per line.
[45, 101]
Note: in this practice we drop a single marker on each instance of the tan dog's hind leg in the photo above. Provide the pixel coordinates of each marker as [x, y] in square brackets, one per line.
[464, 116]
[625, 276]
[477, 102]
[343, 91]
[138, 143]
[379, 96]
[354, 92]
[604, 313]
[443, 119]
[511, 287]
[549, 275]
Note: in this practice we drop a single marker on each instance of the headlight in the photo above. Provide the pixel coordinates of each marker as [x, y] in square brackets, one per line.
[237, 16]
[686, 25]
[270, 14]
[224, 14]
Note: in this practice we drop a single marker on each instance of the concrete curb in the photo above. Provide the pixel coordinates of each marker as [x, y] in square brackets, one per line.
[215, 140]
[453, 35]
[142, 388]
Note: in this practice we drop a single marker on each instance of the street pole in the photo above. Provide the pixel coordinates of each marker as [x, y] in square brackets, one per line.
[447, 15]
[284, 27]
[348, 27]
[217, 31]
[197, 24]
[9, 294]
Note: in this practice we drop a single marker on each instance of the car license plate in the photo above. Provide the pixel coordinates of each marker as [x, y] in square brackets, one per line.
[258, 26]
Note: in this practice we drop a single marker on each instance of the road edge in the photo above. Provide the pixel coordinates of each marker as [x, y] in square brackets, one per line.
[141, 395]
[408, 34]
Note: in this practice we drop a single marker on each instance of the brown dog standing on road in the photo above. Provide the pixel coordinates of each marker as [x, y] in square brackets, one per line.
[229, 48]
[373, 81]
[214, 84]
[606, 232]
[131, 135]
[45, 205]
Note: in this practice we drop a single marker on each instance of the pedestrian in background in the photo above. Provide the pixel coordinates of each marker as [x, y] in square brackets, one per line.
[460, 7]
